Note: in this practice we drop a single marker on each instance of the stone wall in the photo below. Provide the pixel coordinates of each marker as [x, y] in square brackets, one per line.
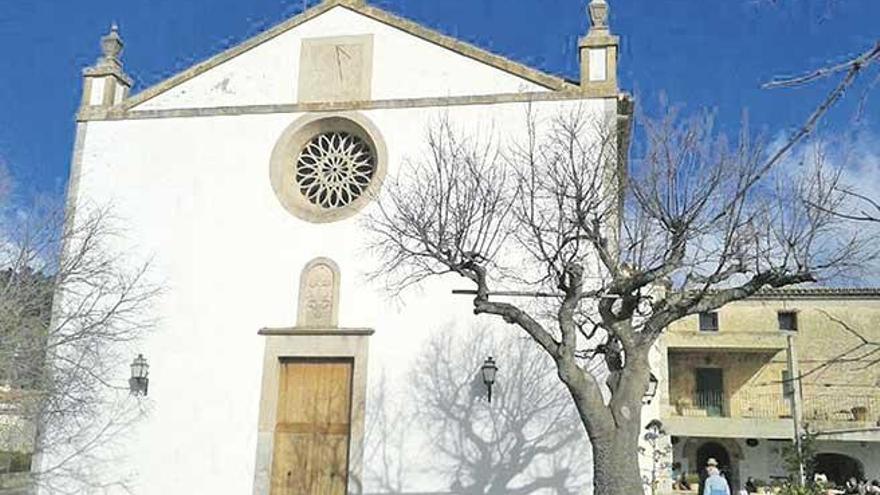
[745, 380]
[839, 375]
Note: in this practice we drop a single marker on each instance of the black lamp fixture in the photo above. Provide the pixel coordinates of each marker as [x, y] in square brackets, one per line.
[654, 430]
[653, 383]
[139, 380]
[488, 371]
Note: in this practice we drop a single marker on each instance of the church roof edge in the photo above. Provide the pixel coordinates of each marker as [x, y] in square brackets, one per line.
[463, 48]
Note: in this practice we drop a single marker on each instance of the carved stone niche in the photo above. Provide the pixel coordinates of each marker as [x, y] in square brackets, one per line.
[318, 305]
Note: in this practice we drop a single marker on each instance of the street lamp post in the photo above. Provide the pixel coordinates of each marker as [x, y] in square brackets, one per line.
[795, 400]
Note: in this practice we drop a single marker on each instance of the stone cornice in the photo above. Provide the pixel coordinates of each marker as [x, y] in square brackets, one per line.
[122, 112]
[819, 293]
[310, 332]
[548, 81]
[595, 39]
[108, 70]
[825, 433]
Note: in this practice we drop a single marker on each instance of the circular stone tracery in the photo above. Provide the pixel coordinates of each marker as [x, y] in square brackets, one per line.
[334, 169]
[326, 168]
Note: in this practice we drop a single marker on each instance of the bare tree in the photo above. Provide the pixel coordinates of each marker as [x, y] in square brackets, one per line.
[70, 310]
[608, 259]
[833, 188]
[857, 205]
[860, 205]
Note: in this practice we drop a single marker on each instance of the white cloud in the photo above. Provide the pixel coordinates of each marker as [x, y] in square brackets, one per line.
[856, 156]
[862, 165]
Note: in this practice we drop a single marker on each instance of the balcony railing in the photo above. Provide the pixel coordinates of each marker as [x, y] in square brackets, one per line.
[702, 404]
[823, 411]
[762, 405]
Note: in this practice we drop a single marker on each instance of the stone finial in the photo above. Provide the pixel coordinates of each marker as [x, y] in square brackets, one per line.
[111, 47]
[598, 11]
[110, 63]
[106, 84]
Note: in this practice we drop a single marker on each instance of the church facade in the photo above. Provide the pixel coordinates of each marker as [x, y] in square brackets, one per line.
[244, 179]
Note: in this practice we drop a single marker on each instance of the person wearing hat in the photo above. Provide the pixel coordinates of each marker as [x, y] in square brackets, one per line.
[715, 483]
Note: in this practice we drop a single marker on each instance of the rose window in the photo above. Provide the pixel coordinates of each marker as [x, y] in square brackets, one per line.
[334, 169]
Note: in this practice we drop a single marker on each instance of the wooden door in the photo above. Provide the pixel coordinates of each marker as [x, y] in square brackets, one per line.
[312, 428]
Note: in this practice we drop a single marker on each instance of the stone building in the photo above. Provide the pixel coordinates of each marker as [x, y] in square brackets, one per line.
[728, 391]
[216, 172]
[25, 309]
[16, 441]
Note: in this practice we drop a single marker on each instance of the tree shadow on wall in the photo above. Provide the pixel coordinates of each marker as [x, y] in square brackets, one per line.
[527, 440]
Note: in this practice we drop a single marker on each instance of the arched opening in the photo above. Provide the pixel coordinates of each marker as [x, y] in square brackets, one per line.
[715, 450]
[838, 467]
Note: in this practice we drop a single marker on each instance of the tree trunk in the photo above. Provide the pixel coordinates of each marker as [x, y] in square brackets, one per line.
[616, 463]
[613, 428]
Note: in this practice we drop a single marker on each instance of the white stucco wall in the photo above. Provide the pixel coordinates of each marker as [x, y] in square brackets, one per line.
[195, 195]
[656, 470]
[404, 66]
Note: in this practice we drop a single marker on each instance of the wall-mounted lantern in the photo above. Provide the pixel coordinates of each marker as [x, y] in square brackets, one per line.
[654, 430]
[653, 384]
[139, 380]
[488, 371]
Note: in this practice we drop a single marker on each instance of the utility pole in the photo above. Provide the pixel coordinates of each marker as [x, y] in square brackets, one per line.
[795, 398]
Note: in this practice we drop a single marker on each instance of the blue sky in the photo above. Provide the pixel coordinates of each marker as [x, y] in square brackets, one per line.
[699, 53]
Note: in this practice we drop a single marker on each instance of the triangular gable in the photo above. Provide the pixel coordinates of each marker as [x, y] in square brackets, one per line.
[526, 74]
